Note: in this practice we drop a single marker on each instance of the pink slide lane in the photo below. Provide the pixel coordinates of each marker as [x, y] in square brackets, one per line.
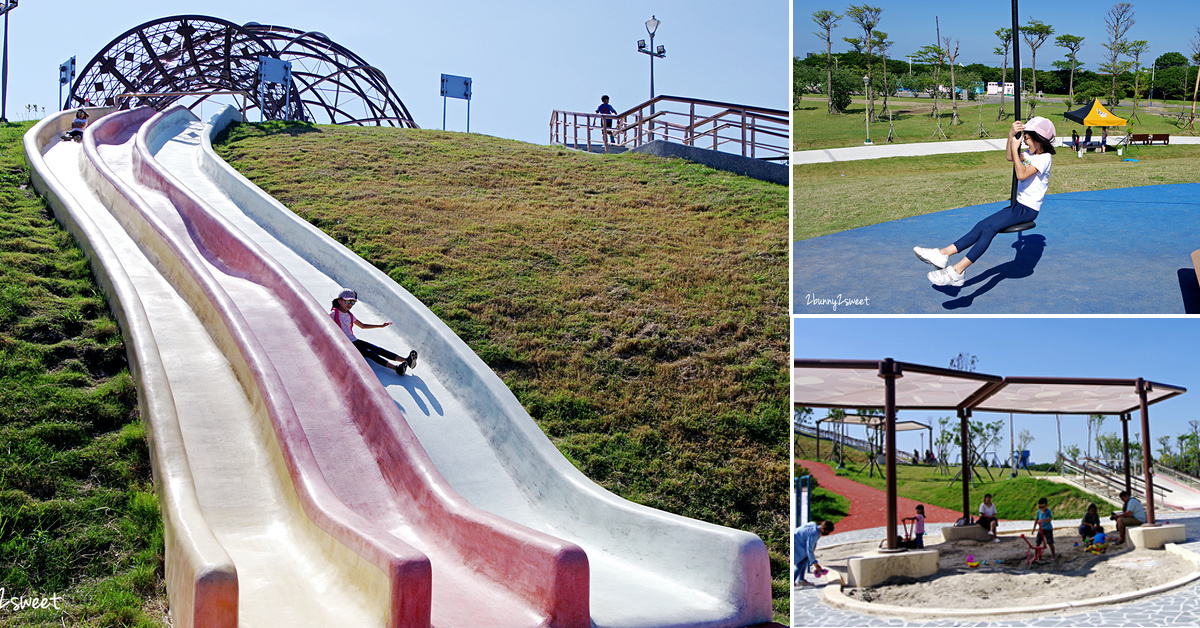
[359, 472]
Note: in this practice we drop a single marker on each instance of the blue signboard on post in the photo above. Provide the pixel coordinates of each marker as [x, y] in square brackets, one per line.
[456, 87]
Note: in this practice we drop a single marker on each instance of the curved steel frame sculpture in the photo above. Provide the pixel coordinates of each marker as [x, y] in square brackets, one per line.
[195, 56]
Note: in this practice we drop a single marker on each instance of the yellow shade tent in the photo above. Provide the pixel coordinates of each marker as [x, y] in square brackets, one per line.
[1094, 114]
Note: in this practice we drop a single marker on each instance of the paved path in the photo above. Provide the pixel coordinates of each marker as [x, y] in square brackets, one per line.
[1178, 608]
[915, 149]
[868, 506]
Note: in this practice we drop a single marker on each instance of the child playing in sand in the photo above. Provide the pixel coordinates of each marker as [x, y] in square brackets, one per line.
[918, 527]
[1099, 542]
[804, 547]
[1043, 524]
[1091, 521]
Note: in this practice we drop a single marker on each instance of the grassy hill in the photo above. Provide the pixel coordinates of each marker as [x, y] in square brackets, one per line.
[636, 306]
[1015, 498]
[78, 516]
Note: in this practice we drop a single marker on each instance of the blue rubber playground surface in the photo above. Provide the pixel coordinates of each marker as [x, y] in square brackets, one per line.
[1123, 251]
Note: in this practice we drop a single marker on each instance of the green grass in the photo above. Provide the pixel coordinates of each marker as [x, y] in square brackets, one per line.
[78, 514]
[1014, 498]
[812, 128]
[636, 306]
[832, 197]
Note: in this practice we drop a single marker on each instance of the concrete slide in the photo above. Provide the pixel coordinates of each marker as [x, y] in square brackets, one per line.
[648, 568]
[293, 492]
[335, 476]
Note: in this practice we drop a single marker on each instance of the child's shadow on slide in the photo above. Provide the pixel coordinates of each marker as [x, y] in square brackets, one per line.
[413, 384]
[1029, 252]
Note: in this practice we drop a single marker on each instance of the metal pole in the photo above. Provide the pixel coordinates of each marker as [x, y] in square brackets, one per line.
[651, 87]
[963, 415]
[4, 80]
[889, 371]
[1143, 387]
[1016, 29]
[1125, 437]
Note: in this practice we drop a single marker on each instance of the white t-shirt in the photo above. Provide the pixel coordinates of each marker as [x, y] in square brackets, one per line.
[1031, 191]
[987, 511]
[345, 320]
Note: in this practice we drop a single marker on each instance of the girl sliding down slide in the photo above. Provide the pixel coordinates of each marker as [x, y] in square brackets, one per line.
[1032, 167]
[344, 319]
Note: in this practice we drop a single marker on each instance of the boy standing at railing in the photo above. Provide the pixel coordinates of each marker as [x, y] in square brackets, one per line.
[607, 110]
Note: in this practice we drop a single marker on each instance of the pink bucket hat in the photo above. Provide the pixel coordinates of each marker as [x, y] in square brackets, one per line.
[1043, 127]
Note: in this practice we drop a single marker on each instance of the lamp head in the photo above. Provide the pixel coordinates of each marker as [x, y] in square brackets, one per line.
[662, 51]
[641, 44]
[652, 25]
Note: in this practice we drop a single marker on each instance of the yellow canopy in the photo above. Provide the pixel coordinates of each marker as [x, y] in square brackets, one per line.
[1094, 114]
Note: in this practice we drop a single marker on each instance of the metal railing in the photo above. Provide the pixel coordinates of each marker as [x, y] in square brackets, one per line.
[754, 132]
[1108, 481]
[848, 441]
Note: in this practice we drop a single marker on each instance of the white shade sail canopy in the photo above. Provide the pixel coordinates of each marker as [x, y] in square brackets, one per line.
[857, 384]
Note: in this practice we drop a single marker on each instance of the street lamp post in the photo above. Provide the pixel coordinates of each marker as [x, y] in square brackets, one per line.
[9, 5]
[866, 108]
[652, 52]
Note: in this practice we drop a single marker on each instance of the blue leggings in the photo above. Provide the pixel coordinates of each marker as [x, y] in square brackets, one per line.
[982, 233]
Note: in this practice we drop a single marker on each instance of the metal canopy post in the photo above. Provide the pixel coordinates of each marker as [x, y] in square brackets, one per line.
[889, 371]
[1144, 387]
[1125, 449]
[963, 415]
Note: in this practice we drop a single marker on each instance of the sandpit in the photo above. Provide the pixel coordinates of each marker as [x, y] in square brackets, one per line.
[1006, 582]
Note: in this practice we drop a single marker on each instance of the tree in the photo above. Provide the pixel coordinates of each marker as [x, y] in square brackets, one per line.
[1006, 38]
[1118, 22]
[1135, 50]
[827, 20]
[964, 362]
[952, 57]
[1024, 438]
[1072, 43]
[844, 84]
[1094, 422]
[1195, 44]
[1035, 34]
[882, 44]
[867, 18]
[932, 55]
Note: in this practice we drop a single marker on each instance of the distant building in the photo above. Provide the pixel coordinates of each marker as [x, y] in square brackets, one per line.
[993, 88]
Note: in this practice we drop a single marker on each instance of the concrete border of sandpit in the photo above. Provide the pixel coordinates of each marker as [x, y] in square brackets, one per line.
[835, 597]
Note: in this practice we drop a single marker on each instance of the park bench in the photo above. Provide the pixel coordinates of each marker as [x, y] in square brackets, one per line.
[1165, 138]
[1138, 138]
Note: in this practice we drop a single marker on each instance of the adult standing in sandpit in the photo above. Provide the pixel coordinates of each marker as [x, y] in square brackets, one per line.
[987, 516]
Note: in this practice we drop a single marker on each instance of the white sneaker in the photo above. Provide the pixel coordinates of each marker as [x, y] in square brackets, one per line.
[946, 277]
[996, 540]
[932, 256]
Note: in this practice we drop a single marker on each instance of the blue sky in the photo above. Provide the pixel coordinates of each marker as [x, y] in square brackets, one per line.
[526, 58]
[1168, 26]
[1157, 349]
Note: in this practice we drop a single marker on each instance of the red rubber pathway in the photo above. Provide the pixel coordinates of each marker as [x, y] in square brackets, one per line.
[868, 506]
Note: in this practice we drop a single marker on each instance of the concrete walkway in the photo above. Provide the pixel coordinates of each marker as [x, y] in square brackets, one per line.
[916, 149]
[1180, 607]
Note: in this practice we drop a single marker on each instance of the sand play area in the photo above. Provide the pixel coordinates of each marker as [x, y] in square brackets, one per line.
[1006, 582]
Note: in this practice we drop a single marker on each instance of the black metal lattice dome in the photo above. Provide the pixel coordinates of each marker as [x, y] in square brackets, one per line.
[193, 57]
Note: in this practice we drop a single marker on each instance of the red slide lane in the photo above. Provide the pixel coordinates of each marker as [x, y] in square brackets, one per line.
[341, 432]
[868, 506]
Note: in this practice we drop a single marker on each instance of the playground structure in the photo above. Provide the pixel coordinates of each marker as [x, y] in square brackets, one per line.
[191, 58]
[300, 485]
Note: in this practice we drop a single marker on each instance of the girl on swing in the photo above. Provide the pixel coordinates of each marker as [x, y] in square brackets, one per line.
[1032, 167]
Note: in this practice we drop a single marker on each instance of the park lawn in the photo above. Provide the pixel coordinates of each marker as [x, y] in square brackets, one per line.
[833, 197]
[1015, 498]
[813, 129]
